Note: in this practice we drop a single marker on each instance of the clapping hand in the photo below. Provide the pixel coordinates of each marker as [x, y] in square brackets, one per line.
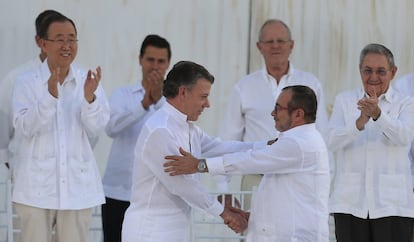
[153, 84]
[91, 84]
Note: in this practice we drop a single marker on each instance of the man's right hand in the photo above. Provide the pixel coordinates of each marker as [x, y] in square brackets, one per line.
[234, 220]
[52, 83]
[153, 84]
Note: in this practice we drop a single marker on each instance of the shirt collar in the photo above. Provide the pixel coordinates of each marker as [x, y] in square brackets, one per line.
[387, 96]
[177, 114]
[298, 130]
[290, 71]
[138, 87]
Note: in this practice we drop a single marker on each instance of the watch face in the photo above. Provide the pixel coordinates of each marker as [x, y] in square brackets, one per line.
[201, 165]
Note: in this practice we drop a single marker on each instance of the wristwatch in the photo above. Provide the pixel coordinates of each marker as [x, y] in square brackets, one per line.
[202, 165]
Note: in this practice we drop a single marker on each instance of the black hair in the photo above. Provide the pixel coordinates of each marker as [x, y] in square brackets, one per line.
[303, 97]
[45, 24]
[41, 18]
[157, 41]
[184, 73]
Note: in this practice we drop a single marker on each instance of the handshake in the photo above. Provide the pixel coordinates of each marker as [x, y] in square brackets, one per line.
[235, 218]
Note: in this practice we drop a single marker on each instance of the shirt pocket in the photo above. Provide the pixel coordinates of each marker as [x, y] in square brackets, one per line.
[42, 177]
[82, 179]
[44, 144]
[391, 190]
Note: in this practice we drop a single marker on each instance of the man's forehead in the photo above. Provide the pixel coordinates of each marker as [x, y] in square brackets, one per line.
[285, 94]
[61, 28]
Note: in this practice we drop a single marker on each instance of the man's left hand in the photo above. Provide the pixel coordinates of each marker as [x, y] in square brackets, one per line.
[179, 165]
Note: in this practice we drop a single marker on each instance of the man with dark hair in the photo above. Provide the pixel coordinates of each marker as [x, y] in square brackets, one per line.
[291, 202]
[6, 89]
[370, 130]
[161, 204]
[131, 106]
[57, 109]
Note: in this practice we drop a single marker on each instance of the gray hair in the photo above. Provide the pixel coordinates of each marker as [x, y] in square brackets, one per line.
[377, 49]
[274, 21]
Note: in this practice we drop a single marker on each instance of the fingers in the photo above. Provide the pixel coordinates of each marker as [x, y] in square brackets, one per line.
[372, 92]
[369, 107]
[155, 77]
[53, 82]
[95, 76]
[91, 84]
[234, 220]
[98, 73]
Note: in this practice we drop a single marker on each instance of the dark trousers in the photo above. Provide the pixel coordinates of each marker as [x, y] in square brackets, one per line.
[349, 228]
[112, 217]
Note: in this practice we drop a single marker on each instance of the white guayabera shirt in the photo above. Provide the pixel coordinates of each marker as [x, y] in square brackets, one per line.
[373, 169]
[53, 163]
[291, 202]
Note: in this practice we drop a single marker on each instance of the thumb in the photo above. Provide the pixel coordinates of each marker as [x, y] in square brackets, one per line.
[183, 152]
[372, 93]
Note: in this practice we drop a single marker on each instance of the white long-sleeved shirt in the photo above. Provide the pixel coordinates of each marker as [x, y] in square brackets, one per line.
[291, 202]
[405, 84]
[54, 165]
[160, 203]
[6, 90]
[125, 123]
[372, 165]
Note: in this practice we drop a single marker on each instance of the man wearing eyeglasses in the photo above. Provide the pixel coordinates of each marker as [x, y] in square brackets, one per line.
[291, 202]
[246, 117]
[59, 110]
[370, 131]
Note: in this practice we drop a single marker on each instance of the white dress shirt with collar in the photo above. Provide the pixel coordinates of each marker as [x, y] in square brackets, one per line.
[126, 121]
[291, 202]
[6, 91]
[160, 203]
[54, 165]
[373, 169]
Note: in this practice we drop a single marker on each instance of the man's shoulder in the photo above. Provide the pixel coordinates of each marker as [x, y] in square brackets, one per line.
[405, 84]
[355, 93]
[159, 119]
[406, 78]
[251, 79]
[305, 75]
[22, 69]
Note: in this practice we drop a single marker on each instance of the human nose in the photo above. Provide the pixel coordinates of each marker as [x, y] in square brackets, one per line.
[207, 104]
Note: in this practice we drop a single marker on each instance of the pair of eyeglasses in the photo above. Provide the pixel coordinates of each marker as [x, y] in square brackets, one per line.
[70, 42]
[379, 72]
[279, 108]
[272, 41]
